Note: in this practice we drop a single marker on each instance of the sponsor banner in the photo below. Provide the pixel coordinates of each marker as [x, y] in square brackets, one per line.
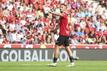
[79, 46]
[31, 55]
[39, 54]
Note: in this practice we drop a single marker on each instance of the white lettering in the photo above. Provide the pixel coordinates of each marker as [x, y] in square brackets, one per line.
[13, 55]
[4, 55]
[27, 55]
[63, 55]
[35, 56]
[19, 56]
[46, 56]
[40, 53]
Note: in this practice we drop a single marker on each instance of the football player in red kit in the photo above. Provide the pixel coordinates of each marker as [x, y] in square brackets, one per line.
[64, 35]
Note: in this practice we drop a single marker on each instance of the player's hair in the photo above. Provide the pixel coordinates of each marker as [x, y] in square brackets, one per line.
[64, 5]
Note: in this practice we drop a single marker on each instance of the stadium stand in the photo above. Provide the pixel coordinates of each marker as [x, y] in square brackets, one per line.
[29, 21]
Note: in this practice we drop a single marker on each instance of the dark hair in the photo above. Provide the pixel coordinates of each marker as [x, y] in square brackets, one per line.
[64, 5]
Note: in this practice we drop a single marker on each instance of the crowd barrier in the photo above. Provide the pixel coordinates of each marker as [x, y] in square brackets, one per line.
[42, 52]
[78, 46]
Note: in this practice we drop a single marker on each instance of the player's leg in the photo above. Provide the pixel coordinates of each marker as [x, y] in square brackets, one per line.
[58, 44]
[69, 51]
[56, 54]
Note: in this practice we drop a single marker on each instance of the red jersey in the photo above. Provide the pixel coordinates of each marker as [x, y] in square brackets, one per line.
[64, 27]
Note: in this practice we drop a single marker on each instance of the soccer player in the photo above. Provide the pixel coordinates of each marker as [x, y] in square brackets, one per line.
[64, 34]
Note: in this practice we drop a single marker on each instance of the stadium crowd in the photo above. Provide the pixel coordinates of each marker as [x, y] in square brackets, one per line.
[29, 21]
[103, 3]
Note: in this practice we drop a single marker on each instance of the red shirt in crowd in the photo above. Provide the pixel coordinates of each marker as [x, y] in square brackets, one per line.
[64, 27]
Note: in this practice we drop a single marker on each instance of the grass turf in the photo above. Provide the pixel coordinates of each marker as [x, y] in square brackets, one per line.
[62, 66]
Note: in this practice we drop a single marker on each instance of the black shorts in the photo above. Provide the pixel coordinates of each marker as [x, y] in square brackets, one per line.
[63, 40]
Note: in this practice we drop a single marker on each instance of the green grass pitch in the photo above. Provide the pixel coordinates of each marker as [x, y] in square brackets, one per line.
[62, 66]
